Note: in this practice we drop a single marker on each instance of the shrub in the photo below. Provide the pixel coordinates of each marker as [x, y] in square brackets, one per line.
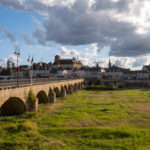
[111, 85]
[98, 82]
[90, 83]
[31, 96]
[28, 125]
[31, 102]
[121, 85]
[25, 126]
[98, 87]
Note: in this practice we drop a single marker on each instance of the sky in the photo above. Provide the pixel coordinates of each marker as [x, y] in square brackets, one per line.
[93, 31]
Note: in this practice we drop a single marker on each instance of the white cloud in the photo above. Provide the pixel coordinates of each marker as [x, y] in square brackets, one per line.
[3, 60]
[91, 3]
[68, 52]
[51, 3]
[13, 58]
[115, 1]
[138, 15]
[94, 51]
[85, 56]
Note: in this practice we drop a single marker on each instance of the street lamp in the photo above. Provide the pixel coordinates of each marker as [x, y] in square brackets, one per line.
[17, 53]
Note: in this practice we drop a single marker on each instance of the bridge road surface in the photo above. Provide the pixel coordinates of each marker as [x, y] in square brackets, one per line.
[36, 81]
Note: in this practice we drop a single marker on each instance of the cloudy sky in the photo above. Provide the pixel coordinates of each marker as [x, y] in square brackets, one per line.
[90, 30]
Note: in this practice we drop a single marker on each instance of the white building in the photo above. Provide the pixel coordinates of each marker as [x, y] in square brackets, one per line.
[115, 72]
[39, 73]
[147, 68]
[84, 72]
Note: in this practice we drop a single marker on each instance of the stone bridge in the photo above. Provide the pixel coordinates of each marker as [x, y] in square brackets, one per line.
[14, 100]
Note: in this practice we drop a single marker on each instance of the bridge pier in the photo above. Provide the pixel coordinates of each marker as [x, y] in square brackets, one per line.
[79, 86]
[51, 96]
[63, 91]
[32, 106]
[82, 85]
[75, 88]
[70, 89]
[66, 89]
[31, 102]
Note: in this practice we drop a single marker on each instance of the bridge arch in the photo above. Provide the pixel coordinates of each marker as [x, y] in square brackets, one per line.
[42, 97]
[13, 106]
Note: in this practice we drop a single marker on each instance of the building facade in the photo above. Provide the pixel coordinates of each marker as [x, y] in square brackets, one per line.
[66, 63]
[115, 72]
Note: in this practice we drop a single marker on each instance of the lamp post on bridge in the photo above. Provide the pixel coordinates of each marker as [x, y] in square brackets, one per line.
[17, 53]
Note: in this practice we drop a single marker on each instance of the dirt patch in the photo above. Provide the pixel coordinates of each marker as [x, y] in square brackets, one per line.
[141, 122]
[56, 107]
[142, 107]
[100, 96]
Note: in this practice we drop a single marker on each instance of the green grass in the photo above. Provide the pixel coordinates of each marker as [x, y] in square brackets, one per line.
[86, 120]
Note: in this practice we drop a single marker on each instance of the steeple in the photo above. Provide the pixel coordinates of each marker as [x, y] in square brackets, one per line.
[97, 65]
[109, 64]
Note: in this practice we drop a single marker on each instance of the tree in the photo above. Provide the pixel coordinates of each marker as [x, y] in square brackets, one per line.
[98, 82]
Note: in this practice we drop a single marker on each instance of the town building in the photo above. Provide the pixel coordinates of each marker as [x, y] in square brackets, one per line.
[83, 72]
[135, 75]
[115, 72]
[5, 73]
[73, 68]
[94, 72]
[147, 68]
[66, 63]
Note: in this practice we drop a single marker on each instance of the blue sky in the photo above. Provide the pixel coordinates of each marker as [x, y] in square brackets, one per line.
[90, 30]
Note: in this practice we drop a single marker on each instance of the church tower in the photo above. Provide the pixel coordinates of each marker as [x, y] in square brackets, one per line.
[57, 57]
[97, 65]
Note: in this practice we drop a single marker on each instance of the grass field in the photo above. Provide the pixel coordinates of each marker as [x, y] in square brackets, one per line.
[86, 120]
